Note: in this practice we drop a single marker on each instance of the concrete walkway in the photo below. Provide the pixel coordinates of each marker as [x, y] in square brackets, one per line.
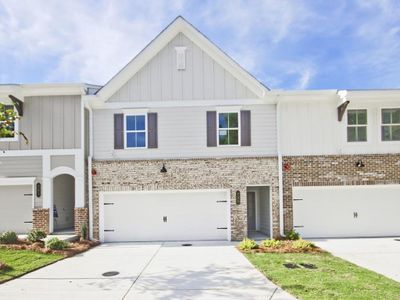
[381, 255]
[206, 270]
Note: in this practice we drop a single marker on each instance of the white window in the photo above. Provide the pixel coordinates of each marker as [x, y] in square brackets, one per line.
[357, 125]
[390, 124]
[228, 128]
[135, 131]
[12, 127]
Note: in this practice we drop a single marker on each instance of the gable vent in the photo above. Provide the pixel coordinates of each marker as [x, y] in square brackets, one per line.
[180, 58]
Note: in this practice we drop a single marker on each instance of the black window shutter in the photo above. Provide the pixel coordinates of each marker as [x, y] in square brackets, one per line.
[245, 128]
[211, 129]
[152, 130]
[118, 131]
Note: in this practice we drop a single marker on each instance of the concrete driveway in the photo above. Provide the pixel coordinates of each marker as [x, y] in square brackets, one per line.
[381, 255]
[206, 270]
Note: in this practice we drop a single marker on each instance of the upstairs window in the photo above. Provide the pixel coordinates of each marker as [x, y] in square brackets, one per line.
[135, 131]
[228, 128]
[390, 124]
[357, 125]
[10, 126]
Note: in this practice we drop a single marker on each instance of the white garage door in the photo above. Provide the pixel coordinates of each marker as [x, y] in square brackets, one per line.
[165, 216]
[16, 208]
[347, 211]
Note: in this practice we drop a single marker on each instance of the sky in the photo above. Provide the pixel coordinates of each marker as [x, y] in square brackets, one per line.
[296, 44]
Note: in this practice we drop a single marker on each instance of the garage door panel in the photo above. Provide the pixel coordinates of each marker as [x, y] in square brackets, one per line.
[16, 208]
[152, 216]
[346, 211]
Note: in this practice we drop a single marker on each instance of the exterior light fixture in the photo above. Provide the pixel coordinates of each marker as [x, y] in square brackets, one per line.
[360, 164]
[94, 172]
[237, 196]
[163, 169]
[38, 189]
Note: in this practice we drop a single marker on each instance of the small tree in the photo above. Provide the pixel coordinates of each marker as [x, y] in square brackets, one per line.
[8, 117]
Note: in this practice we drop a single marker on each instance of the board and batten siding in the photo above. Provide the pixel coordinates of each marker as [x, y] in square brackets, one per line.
[202, 79]
[49, 122]
[182, 133]
[312, 128]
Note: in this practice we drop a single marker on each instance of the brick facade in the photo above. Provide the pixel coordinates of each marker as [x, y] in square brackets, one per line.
[228, 173]
[41, 219]
[335, 170]
[81, 217]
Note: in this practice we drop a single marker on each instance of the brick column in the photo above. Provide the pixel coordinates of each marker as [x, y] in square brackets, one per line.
[41, 218]
[81, 217]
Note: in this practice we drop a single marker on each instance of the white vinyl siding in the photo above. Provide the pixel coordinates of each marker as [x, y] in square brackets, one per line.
[182, 133]
[312, 128]
[201, 79]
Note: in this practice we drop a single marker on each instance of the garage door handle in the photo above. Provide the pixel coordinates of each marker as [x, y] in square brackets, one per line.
[108, 230]
[221, 201]
[299, 226]
[108, 203]
[222, 227]
[297, 199]
[28, 222]
[28, 194]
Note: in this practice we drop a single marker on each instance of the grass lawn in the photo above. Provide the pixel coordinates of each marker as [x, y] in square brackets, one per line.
[333, 277]
[23, 261]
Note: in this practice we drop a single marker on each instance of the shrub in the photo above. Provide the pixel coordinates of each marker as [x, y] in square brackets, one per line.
[247, 244]
[56, 244]
[8, 237]
[292, 235]
[302, 245]
[84, 231]
[271, 243]
[36, 235]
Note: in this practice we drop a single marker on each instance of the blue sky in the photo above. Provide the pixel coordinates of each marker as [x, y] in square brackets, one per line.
[310, 44]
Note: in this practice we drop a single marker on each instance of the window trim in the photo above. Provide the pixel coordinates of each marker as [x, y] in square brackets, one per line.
[15, 138]
[126, 115]
[238, 128]
[381, 124]
[356, 125]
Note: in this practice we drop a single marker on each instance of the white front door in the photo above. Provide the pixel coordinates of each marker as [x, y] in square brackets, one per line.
[347, 211]
[165, 216]
[16, 208]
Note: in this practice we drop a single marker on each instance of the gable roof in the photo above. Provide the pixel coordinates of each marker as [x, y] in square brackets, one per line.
[160, 41]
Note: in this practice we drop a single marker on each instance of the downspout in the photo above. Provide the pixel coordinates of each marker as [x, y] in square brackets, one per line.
[90, 177]
[280, 173]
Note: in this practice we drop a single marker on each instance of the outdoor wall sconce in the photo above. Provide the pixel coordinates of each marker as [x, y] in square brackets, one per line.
[360, 164]
[163, 169]
[237, 196]
[38, 189]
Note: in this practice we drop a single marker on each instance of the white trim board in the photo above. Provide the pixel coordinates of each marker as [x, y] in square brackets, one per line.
[17, 181]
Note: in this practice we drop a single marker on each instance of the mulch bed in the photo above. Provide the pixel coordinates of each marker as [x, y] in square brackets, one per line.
[73, 249]
[285, 247]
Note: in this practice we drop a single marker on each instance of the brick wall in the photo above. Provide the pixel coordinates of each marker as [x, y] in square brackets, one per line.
[81, 217]
[335, 170]
[230, 173]
[41, 219]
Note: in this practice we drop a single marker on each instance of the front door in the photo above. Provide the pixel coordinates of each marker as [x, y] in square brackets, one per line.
[251, 211]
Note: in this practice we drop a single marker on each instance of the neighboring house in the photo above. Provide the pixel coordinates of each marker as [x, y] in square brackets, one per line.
[184, 144]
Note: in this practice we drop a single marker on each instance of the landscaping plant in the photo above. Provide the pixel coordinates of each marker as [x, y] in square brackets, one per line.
[56, 244]
[271, 243]
[8, 237]
[247, 244]
[84, 231]
[303, 245]
[36, 235]
[292, 235]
